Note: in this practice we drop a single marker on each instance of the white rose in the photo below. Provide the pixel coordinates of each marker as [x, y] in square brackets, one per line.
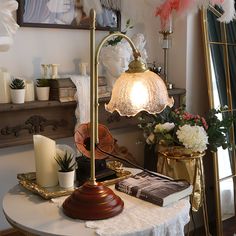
[193, 137]
[166, 127]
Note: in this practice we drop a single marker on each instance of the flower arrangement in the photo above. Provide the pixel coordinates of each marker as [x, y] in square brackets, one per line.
[193, 132]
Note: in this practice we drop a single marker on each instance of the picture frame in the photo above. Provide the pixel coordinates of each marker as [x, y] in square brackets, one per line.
[67, 14]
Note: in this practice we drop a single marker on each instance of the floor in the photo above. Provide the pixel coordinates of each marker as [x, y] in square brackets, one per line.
[229, 227]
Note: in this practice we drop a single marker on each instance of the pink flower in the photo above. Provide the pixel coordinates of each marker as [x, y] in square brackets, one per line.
[205, 125]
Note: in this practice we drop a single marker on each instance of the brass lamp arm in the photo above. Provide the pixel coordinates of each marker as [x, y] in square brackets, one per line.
[136, 53]
[94, 56]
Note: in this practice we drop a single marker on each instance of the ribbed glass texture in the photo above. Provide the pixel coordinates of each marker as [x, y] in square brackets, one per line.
[135, 92]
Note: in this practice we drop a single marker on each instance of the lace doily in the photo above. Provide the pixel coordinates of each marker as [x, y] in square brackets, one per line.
[141, 218]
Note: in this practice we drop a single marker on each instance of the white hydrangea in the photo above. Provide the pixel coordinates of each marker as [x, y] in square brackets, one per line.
[166, 127]
[193, 137]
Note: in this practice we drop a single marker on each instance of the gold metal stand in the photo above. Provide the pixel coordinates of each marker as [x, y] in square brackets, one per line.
[198, 167]
[166, 44]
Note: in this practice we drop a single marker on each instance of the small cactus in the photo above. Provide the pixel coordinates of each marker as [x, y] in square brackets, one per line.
[17, 84]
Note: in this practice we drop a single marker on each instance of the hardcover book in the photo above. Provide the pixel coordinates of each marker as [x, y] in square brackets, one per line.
[157, 189]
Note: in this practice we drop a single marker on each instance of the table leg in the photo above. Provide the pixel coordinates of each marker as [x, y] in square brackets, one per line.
[204, 205]
[192, 195]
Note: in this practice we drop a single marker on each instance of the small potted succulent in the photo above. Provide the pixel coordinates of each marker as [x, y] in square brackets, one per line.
[66, 172]
[17, 91]
[42, 89]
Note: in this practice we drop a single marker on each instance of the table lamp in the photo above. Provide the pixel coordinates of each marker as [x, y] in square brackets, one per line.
[138, 89]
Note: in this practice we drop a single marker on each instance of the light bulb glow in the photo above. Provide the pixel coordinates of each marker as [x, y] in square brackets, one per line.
[138, 95]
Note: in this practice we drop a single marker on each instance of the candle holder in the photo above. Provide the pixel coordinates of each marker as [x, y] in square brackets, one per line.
[166, 32]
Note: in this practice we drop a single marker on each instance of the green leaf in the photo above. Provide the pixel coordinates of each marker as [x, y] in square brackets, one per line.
[42, 82]
[17, 84]
[66, 163]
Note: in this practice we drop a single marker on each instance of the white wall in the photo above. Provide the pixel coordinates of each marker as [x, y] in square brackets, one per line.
[196, 83]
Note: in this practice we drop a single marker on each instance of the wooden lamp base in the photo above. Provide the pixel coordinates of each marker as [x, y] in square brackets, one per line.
[92, 202]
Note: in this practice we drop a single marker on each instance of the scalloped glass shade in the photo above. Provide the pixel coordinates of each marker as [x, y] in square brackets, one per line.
[135, 92]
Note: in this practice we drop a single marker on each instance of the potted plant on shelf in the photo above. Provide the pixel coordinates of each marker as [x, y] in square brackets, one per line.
[42, 89]
[66, 170]
[17, 91]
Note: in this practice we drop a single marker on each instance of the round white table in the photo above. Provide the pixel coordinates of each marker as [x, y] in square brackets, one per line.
[28, 212]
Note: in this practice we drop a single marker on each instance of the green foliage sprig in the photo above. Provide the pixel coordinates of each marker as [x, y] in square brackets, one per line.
[42, 83]
[17, 84]
[218, 129]
[118, 39]
[66, 162]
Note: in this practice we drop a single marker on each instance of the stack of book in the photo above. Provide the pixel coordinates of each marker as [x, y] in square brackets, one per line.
[157, 189]
[62, 90]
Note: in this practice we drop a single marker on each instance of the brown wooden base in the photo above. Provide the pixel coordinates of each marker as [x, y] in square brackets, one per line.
[92, 202]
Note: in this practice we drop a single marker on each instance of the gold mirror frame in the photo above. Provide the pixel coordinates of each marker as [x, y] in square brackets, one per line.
[209, 74]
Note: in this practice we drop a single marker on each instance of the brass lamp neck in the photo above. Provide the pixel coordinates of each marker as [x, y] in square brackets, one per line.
[137, 66]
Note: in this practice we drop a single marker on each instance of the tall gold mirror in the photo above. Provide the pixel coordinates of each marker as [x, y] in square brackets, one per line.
[220, 54]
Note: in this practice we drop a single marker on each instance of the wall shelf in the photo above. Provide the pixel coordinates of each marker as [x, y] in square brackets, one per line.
[19, 122]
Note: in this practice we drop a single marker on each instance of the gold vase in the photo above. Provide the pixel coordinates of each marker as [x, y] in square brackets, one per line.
[180, 163]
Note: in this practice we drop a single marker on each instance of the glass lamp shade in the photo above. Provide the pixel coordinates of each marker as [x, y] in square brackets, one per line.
[135, 92]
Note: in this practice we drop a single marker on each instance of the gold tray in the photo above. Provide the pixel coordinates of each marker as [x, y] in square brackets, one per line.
[28, 181]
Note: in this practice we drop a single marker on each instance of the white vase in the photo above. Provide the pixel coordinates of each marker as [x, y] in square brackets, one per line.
[18, 96]
[42, 93]
[66, 179]
[29, 91]
[5, 81]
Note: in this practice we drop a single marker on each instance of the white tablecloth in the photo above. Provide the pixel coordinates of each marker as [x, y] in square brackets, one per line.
[30, 213]
[141, 218]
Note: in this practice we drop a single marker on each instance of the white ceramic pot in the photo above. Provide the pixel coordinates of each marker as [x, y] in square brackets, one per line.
[42, 93]
[18, 96]
[66, 179]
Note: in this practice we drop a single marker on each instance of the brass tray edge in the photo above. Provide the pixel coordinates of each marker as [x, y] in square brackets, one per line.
[30, 185]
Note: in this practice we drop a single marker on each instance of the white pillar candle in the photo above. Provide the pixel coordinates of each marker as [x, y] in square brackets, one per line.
[29, 90]
[46, 166]
[54, 71]
[5, 81]
[45, 68]
[83, 68]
